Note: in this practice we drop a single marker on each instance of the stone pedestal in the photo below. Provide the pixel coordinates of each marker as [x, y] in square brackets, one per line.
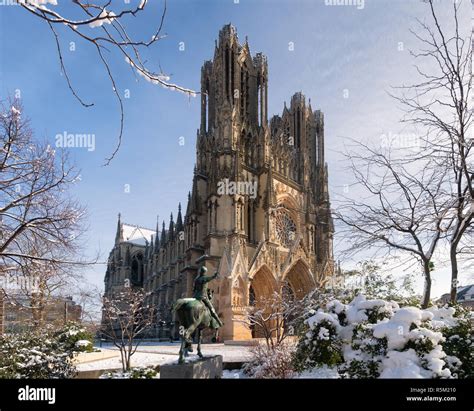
[207, 367]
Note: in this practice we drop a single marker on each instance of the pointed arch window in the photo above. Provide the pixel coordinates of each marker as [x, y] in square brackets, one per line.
[251, 221]
[137, 270]
[298, 128]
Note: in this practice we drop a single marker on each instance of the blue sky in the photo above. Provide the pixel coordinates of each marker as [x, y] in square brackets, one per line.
[339, 51]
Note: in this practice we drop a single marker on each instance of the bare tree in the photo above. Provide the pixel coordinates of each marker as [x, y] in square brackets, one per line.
[38, 288]
[39, 222]
[110, 32]
[423, 198]
[440, 105]
[89, 297]
[395, 209]
[274, 318]
[125, 320]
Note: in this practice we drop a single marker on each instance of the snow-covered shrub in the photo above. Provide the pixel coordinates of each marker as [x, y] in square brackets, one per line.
[458, 341]
[143, 373]
[321, 345]
[35, 355]
[75, 338]
[133, 373]
[271, 362]
[379, 339]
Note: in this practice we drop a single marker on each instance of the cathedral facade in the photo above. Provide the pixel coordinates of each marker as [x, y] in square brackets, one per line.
[258, 211]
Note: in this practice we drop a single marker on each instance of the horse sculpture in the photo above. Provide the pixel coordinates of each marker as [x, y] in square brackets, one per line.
[195, 314]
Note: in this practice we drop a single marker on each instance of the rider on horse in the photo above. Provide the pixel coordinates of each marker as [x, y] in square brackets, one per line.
[201, 293]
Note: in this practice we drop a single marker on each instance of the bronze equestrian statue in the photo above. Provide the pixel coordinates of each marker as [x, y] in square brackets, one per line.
[195, 314]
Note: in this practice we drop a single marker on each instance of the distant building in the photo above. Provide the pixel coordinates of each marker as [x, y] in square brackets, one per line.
[16, 314]
[465, 296]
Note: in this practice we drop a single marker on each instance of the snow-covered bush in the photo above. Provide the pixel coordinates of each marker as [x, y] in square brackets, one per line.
[321, 344]
[271, 362]
[45, 353]
[379, 339]
[35, 355]
[75, 337]
[458, 341]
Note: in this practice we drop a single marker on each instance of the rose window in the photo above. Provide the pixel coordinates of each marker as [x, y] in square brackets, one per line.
[285, 228]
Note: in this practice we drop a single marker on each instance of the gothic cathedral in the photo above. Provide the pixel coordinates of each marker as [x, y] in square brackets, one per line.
[258, 211]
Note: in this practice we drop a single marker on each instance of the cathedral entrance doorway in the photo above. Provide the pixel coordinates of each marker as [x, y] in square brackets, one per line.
[261, 289]
[299, 279]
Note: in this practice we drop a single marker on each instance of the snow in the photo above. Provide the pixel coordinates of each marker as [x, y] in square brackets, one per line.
[397, 329]
[323, 334]
[442, 317]
[38, 3]
[158, 79]
[401, 364]
[435, 362]
[380, 332]
[336, 306]
[398, 334]
[104, 17]
[408, 316]
[83, 343]
[137, 235]
[425, 334]
[321, 316]
[406, 364]
[15, 111]
[154, 353]
[233, 374]
[357, 309]
[139, 359]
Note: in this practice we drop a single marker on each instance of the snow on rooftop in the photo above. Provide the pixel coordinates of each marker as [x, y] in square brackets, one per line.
[136, 234]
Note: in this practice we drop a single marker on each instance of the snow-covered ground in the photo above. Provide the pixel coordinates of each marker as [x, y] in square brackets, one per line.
[138, 360]
[233, 374]
[154, 353]
[230, 353]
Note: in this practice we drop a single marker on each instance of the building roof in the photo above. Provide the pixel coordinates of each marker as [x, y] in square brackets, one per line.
[136, 234]
[466, 292]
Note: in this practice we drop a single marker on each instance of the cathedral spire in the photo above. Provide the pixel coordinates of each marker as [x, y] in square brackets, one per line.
[194, 200]
[163, 235]
[179, 220]
[152, 248]
[171, 228]
[189, 204]
[119, 233]
[157, 234]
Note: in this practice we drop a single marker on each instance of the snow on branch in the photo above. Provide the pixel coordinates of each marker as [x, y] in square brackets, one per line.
[106, 31]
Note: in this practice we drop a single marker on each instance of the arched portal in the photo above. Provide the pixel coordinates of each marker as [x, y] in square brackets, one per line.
[262, 287]
[299, 279]
[262, 284]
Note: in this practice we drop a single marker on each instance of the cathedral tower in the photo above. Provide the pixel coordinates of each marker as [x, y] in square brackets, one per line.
[258, 210]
